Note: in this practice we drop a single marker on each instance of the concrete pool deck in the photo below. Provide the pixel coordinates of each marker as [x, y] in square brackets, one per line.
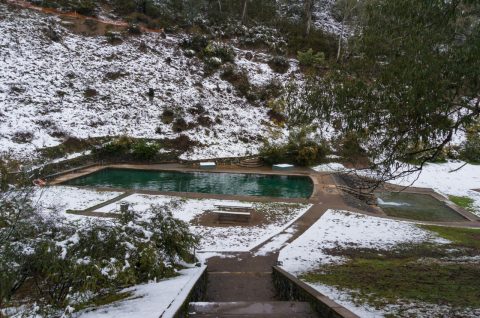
[325, 192]
[249, 273]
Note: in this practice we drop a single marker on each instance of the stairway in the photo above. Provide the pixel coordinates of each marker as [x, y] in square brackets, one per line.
[251, 163]
[280, 309]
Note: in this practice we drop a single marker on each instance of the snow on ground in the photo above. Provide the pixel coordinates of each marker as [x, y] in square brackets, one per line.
[330, 167]
[214, 238]
[155, 299]
[347, 229]
[246, 238]
[44, 90]
[58, 199]
[439, 176]
[276, 243]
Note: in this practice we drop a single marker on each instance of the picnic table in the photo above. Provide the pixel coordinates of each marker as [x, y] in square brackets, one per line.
[230, 213]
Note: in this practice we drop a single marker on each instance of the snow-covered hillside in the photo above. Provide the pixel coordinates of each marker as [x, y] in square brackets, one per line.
[86, 87]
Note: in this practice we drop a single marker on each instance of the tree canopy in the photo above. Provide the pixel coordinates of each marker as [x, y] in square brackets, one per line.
[409, 82]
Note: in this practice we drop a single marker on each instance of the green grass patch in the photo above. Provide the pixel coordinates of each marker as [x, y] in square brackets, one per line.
[464, 202]
[379, 282]
[463, 237]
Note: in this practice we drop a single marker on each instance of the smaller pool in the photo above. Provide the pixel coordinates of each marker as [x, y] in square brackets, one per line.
[203, 182]
[416, 206]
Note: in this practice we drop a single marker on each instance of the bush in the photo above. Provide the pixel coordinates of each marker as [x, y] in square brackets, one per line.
[59, 264]
[142, 150]
[134, 29]
[180, 125]
[471, 148]
[279, 64]
[219, 50]
[310, 59]
[196, 43]
[239, 79]
[167, 116]
[298, 150]
[22, 137]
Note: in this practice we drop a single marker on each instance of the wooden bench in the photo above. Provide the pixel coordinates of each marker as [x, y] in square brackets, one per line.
[232, 216]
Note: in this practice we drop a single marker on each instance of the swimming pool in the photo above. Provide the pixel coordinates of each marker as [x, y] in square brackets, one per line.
[416, 206]
[203, 182]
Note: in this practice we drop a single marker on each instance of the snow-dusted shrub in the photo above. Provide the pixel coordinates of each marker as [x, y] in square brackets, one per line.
[60, 264]
[142, 150]
[22, 136]
[239, 79]
[299, 150]
[196, 43]
[180, 125]
[279, 64]
[221, 51]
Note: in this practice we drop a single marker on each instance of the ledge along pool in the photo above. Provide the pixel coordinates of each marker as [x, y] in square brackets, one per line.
[203, 182]
[416, 206]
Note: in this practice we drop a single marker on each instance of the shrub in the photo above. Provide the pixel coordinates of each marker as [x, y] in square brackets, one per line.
[142, 150]
[113, 37]
[239, 79]
[219, 50]
[196, 43]
[167, 116]
[309, 58]
[57, 263]
[116, 148]
[298, 150]
[279, 64]
[22, 136]
[134, 29]
[471, 148]
[180, 125]
[85, 7]
[90, 92]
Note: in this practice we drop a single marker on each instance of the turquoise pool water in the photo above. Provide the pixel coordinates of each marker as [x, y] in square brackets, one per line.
[203, 182]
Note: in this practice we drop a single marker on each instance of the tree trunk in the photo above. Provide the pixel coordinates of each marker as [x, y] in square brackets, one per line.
[220, 6]
[244, 13]
[308, 16]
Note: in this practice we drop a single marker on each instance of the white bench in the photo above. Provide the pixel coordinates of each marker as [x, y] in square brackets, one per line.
[207, 165]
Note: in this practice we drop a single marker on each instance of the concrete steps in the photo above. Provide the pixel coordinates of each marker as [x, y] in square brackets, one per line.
[278, 309]
[251, 163]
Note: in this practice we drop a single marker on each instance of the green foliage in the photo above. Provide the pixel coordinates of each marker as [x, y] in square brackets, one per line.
[127, 148]
[197, 43]
[144, 151]
[62, 263]
[239, 79]
[299, 150]
[408, 73]
[279, 64]
[220, 50]
[471, 148]
[350, 148]
[309, 58]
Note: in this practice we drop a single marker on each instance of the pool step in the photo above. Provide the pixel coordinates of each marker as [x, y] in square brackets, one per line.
[280, 309]
[251, 163]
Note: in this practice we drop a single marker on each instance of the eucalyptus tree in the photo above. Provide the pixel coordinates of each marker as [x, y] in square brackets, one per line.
[409, 83]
